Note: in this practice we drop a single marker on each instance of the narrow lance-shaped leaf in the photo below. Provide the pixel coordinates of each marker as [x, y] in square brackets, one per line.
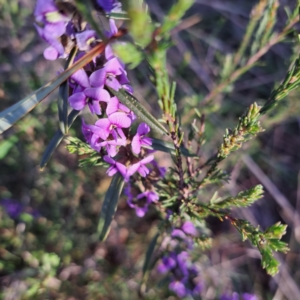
[57, 138]
[148, 259]
[109, 206]
[133, 104]
[62, 102]
[14, 113]
[149, 254]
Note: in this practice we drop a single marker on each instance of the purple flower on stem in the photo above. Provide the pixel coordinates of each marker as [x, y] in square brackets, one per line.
[92, 137]
[113, 125]
[139, 139]
[142, 207]
[90, 97]
[47, 13]
[178, 288]
[189, 228]
[140, 167]
[168, 263]
[84, 39]
[112, 75]
[115, 105]
[115, 167]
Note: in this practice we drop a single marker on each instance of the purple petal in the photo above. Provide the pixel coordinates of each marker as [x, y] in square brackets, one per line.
[132, 169]
[147, 159]
[103, 123]
[81, 78]
[113, 27]
[109, 160]
[109, 54]
[113, 83]
[54, 30]
[97, 79]
[51, 53]
[120, 119]
[94, 107]
[124, 108]
[146, 141]
[43, 7]
[114, 67]
[97, 94]
[113, 106]
[111, 171]
[143, 171]
[143, 129]
[178, 288]
[136, 144]
[189, 228]
[123, 79]
[153, 196]
[177, 233]
[141, 211]
[111, 150]
[122, 169]
[78, 101]
[84, 39]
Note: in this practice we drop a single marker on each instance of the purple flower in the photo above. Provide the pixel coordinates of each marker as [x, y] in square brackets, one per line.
[113, 125]
[14, 208]
[91, 134]
[178, 288]
[114, 105]
[189, 228]
[79, 78]
[139, 139]
[167, 264]
[142, 207]
[247, 296]
[90, 97]
[84, 39]
[140, 167]
[54, 26]
[115, 167]
[112, 75]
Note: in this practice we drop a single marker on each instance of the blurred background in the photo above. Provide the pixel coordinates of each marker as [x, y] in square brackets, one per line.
[48, 218]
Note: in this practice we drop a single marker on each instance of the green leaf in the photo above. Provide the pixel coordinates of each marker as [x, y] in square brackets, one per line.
[14, 113]
[121, 15]
[128, 53]
[140, 26]
[163, 146]
[6, 145]
[62, 102]
[109, 206]
[149, 253]
[57, 138]
[133, 104]
[148, 258]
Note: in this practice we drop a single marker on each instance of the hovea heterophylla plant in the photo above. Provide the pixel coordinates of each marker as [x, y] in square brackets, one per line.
[96, 79]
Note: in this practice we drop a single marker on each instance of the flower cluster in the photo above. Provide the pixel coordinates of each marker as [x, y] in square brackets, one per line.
[58, 23]
[176, 261]
[111, 136]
